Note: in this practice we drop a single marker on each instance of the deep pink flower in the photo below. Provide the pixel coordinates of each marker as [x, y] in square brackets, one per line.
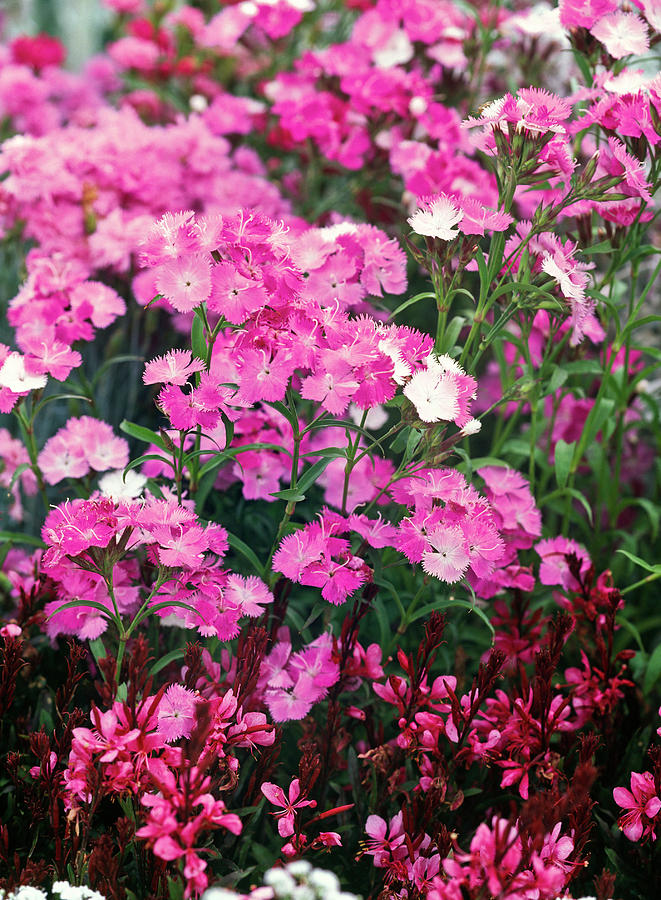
[643, 804]
[289, 804]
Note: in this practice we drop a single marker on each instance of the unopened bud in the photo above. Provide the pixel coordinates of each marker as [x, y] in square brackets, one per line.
[590, 168]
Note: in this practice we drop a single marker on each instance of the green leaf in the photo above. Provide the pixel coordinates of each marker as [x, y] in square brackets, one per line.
[291, 495]
[17, 538]
[166, 660]
[115, 361]
[48, 400]
[332, 452]
[412, 442]
[641, 562]
[310, 475]
[198, 342]
[73, 604]
[452, 333]
[142, 434]
[557, 379]
[144, 458]
[18, 471]
[97, 649]
[426, 295]
[241, 547]
[583, 367]
[652, 511]
[653, 672]
[564, 453]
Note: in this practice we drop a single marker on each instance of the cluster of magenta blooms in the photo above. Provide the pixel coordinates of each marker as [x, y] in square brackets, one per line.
[282, 378]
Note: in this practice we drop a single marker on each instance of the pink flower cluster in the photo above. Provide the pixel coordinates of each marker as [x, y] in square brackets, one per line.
[81, 445]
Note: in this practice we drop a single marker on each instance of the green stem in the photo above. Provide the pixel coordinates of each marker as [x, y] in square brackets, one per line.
[352, 450]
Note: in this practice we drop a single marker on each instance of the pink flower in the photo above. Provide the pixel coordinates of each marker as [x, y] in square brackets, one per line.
[175, 367]
[383, 842]
[176, 713]
[449, 559]
[289, 804]
[643, 804]
[179, 546]
[554, 568]
[185, 282]
[622, 34]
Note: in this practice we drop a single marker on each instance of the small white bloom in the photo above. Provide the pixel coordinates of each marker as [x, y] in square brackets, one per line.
[27, 892]
[281, 882]
[325, 882]
[248, 8]
[397, 50]
[376, 416]
[219, 893]
[299, 868]
[113, 484]
[198, 103]
[14, 376]
[437, 220]
[473, 426]
[304, 892]
[417, 106]
[435, 397]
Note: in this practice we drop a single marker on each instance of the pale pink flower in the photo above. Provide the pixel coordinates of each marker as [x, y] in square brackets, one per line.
[176, 713]
[175, 367]
[185, 282]
[449, 558]
[622, 34]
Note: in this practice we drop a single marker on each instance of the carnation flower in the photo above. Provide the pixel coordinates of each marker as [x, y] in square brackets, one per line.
[437, 218]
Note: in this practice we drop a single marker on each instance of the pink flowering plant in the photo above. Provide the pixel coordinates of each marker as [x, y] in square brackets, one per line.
[329, 376]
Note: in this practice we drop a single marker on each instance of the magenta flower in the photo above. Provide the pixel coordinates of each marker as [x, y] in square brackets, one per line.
[290, 804]
[643, 804]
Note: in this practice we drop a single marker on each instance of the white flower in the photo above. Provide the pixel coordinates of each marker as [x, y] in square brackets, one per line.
[376, 416]
[219, 893]
[437, 219]
[14, 376]
[198, 103]
[417, 106]
[397, 50]
[303, 892]
[113, 484]
[280, 880]
[27, 892]
[435, 395]
[76, 892]
[325, 882]
[473, 426]
[299, 868]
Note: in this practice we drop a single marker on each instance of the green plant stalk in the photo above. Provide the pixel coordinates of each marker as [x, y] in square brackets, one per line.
[293, 481]
[27, 428]
[352, 450]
